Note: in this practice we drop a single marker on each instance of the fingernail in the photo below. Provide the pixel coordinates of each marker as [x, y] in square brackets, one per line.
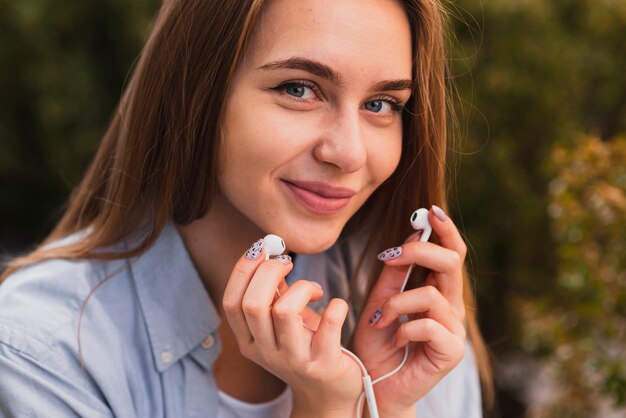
[316, 284]
[376, 317]
[390, 254]
[439, 213]
[255, 250]
[283, 258]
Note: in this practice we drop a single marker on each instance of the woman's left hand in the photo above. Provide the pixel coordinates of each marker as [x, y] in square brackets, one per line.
[435, 332]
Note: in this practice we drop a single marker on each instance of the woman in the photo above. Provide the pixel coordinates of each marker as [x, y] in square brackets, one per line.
[320, 121]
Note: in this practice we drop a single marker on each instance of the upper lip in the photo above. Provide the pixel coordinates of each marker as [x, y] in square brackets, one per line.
[323, 189]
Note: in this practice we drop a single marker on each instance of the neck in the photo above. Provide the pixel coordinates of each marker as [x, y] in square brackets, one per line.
[215, 242]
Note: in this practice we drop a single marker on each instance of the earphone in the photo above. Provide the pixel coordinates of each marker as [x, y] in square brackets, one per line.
[419, 220]
[274, 245]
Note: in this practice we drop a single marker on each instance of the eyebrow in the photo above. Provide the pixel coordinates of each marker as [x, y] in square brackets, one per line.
[327, 73]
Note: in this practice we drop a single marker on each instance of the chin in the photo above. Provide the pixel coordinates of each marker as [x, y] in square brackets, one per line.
[309, 243]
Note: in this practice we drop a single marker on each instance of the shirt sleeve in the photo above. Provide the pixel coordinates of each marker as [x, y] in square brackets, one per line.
[457, 395]
[34, 383]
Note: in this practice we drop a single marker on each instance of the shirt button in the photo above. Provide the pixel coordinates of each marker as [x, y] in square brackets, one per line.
[166, 357]
[208, 342]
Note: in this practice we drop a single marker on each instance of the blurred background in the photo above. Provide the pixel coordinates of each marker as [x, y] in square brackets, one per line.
[540, 167]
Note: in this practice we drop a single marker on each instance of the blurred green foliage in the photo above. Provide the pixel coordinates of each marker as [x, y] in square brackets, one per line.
[544, 75]
[542, 92]
[62, 71]
[582, 323]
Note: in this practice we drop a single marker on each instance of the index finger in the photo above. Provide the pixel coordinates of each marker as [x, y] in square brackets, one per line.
[446, 230]
[236, 288]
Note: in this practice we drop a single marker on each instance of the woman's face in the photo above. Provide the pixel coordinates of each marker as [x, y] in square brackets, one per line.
[312, 124]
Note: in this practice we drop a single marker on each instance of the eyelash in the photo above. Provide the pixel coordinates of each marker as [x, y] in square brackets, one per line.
[396, 106]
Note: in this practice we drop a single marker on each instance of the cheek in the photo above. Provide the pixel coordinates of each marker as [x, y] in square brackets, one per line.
[257, 144]
[385, 154]
[259, 132]
[248, 140]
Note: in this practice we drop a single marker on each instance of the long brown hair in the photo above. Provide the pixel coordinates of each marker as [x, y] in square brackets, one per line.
[157, 159]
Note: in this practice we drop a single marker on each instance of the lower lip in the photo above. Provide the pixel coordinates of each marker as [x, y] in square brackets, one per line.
[315, 203]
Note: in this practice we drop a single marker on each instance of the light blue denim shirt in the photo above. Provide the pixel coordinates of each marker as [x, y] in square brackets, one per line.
[148, 339]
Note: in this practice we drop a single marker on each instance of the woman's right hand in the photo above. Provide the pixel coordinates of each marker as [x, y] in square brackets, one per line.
[270, 331]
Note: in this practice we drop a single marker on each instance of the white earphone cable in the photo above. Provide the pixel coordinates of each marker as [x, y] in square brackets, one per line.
[394, 371]
[368, 384]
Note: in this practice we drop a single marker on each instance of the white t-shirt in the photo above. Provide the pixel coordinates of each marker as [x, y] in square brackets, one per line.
[280, 407]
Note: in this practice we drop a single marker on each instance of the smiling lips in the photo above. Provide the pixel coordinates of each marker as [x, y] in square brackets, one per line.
[320, 198]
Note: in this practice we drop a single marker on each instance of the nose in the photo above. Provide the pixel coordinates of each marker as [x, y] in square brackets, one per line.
[342, 143]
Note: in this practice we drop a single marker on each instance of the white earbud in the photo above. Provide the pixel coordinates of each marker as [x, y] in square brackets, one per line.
[274, 245]
[419, 221]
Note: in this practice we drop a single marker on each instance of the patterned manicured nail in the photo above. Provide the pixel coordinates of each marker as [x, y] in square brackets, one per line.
[283, 258]
[390, 254]
[255, 250]
[439, 213]
[376, 317]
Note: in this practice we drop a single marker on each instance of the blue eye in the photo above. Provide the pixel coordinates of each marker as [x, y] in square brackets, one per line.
[383, 106]
[295, 90]
[374, 106]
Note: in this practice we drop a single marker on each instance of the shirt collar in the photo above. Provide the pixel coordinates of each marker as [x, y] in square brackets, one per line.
[178, 311]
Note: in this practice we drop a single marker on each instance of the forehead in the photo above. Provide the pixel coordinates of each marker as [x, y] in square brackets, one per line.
[370, 36]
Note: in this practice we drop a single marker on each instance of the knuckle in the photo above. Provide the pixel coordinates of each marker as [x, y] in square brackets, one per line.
[230, 305]
[453, 261]
[462, 313]
[401, 333]
[247, 350]
[391, 305]
[431, 293]
[253, 310]
[459, 352]
[263, 357]
[463, 334]
[313, 371]
[298, 359]
[463, 250]
[280, 311]
[430, 326]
